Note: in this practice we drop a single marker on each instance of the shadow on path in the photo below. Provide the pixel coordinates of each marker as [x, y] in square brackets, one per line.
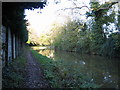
[35, 77]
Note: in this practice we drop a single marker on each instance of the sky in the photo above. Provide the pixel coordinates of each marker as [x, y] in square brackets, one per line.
[42, 20]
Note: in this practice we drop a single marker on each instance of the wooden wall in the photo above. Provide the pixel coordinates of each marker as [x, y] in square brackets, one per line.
[11, 46]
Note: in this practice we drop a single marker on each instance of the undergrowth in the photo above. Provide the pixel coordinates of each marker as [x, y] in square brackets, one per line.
[59, 77]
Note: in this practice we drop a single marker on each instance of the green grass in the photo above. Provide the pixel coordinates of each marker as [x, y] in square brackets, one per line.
[61, 77]
[13, 76]
[50, 69]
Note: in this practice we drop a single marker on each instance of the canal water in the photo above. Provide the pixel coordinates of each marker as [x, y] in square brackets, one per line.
[97, 69]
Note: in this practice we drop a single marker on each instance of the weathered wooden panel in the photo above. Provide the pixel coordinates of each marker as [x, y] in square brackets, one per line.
[14, 49]
[3, 44]
[0, 56]
[16, 46]
[9, 45]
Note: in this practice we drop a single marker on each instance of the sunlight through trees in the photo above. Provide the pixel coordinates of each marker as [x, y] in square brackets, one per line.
[94, 34]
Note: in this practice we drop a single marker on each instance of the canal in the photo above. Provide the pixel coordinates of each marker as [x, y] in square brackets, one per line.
[100, 70]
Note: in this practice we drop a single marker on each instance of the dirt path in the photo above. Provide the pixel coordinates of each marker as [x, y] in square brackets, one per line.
[35, 77]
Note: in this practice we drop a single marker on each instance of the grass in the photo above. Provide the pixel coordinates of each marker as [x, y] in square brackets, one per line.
[13, 76]
[61, 77]
[50, 70]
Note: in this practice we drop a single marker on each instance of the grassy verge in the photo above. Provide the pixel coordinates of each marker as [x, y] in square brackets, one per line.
[13, 76]
[60, 77]
[50, 70]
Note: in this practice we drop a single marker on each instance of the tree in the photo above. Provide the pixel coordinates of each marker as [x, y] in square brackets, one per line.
[65, 37]
[99, 13]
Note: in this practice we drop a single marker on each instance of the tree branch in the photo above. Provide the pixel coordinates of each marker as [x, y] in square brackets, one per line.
[98, 12]
[72, 8]
[109, 6]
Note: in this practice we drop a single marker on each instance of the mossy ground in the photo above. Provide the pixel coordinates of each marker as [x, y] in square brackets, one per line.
[13, 76]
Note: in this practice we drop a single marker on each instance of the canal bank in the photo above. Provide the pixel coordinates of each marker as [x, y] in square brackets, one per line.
[92, 70]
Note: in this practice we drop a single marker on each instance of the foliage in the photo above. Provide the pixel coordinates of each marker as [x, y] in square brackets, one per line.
[33, 38]
[83, 37]
[45, 40]
[100, 18]
[112, 46]
[62, 36]
[88, 37]
[55, 72]
[84, 41]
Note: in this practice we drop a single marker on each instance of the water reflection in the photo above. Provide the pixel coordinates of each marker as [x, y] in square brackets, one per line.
[49, 53]
[100, 70]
